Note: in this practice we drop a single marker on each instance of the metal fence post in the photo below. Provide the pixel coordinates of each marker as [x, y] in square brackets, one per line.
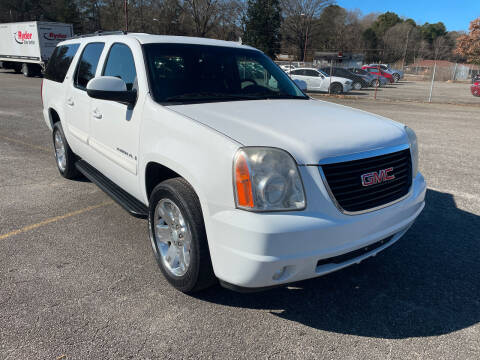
[331, 70]
[433, 79]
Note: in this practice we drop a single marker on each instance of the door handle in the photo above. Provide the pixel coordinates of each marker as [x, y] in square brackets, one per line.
[96, 114]
[70, 102]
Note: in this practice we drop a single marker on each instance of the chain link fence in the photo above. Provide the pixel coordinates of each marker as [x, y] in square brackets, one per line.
[424, 80]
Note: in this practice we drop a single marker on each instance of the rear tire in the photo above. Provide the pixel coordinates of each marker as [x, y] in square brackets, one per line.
[357, 85]
[376, 83]
[27, 70]
[64, 156]
[396, 77]
[178, 237]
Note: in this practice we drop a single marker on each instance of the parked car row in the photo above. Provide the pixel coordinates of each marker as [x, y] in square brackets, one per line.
[341, 81]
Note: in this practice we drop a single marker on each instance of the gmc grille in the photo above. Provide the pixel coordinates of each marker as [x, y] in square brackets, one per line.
[345, 181]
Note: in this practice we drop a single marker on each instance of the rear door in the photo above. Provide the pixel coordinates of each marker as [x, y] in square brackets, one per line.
[77, 102]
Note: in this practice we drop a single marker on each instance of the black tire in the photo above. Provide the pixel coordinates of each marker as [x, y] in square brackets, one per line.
[336, 88]
[396, 77]
[17, 69]
[375, 83]
[199, 274]
[357, 85]
[27, 70]
[69, 171]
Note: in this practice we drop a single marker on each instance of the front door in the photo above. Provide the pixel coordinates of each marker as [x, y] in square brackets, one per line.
[115, 126]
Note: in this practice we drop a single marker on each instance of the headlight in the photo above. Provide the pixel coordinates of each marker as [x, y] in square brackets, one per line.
[412, 138]
[267, 179]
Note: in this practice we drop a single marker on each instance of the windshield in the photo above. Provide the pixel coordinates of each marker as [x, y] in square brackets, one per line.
[187, 73]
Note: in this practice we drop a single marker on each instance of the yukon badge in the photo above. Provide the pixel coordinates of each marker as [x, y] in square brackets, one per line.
[377, 177]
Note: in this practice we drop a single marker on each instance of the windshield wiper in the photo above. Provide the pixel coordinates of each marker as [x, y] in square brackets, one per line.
[206, 96]
[212, 97]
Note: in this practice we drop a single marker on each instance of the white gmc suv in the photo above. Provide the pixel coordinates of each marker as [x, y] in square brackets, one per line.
[243, 178]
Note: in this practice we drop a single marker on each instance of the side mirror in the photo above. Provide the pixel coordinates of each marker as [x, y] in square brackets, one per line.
[301, 84]
[111, 88]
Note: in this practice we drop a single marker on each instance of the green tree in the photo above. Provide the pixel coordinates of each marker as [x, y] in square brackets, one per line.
[262, 26]
[384, 22]
[432, 31]
[371, 42]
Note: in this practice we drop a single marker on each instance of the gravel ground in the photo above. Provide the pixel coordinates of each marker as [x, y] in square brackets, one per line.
[79, 280]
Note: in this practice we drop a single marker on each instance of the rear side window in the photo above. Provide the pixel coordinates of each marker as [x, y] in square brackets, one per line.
[120, 64]
[60, 62]
[298, 72]
[87, 65]
[311, 73]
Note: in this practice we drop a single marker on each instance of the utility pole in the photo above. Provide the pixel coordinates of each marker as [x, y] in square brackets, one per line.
[125, 7]
[306, 36]
[406, 46]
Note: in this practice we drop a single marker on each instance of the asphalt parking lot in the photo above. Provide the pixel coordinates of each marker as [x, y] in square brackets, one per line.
[79, 281]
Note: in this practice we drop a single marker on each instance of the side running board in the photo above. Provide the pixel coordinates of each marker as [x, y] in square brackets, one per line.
[124, 199]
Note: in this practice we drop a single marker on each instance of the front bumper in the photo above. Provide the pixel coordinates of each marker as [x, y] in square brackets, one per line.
[253, 250]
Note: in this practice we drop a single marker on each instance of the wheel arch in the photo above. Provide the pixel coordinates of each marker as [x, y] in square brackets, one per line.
[53, 116]
[155, 173]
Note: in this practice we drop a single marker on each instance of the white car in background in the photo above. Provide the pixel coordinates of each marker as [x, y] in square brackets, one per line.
[317, 80]
[287, 67]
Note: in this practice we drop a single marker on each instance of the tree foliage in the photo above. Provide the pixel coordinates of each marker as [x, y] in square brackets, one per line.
[262, 26]
[294, 27]
[469, 45]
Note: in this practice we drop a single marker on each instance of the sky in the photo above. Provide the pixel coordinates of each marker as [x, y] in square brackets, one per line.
[455, 14]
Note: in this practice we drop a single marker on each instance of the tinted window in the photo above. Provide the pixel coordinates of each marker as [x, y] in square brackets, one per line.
[120, 64]
[182, 73]
[60, 62]
[296, 72]
[87, 65]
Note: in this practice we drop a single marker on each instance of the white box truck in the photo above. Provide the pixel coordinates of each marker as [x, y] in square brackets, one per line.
[26, 46]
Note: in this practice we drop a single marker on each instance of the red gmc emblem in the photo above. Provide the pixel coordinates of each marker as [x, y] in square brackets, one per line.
[377, 177]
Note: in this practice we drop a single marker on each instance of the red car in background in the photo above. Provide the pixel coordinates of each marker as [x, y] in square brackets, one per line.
[376, 71]
[475, 88]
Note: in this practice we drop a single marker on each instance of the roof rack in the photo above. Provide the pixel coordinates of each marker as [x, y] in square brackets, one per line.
[101, 33]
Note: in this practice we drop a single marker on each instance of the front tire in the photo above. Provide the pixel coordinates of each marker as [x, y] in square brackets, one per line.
[64, 156]
[336, 89]
[178, 237]
[396, 77]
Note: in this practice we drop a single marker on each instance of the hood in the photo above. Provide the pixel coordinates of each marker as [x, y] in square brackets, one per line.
[310, 130]
[340, 79]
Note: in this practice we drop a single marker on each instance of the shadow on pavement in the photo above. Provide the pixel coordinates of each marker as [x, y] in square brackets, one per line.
[426, 284]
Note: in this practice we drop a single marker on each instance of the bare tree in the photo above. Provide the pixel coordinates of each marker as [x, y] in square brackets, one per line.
[205, 14]
[299, 21]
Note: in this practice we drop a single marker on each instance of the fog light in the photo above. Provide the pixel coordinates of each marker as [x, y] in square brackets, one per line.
[284, 273]
[278, 274]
